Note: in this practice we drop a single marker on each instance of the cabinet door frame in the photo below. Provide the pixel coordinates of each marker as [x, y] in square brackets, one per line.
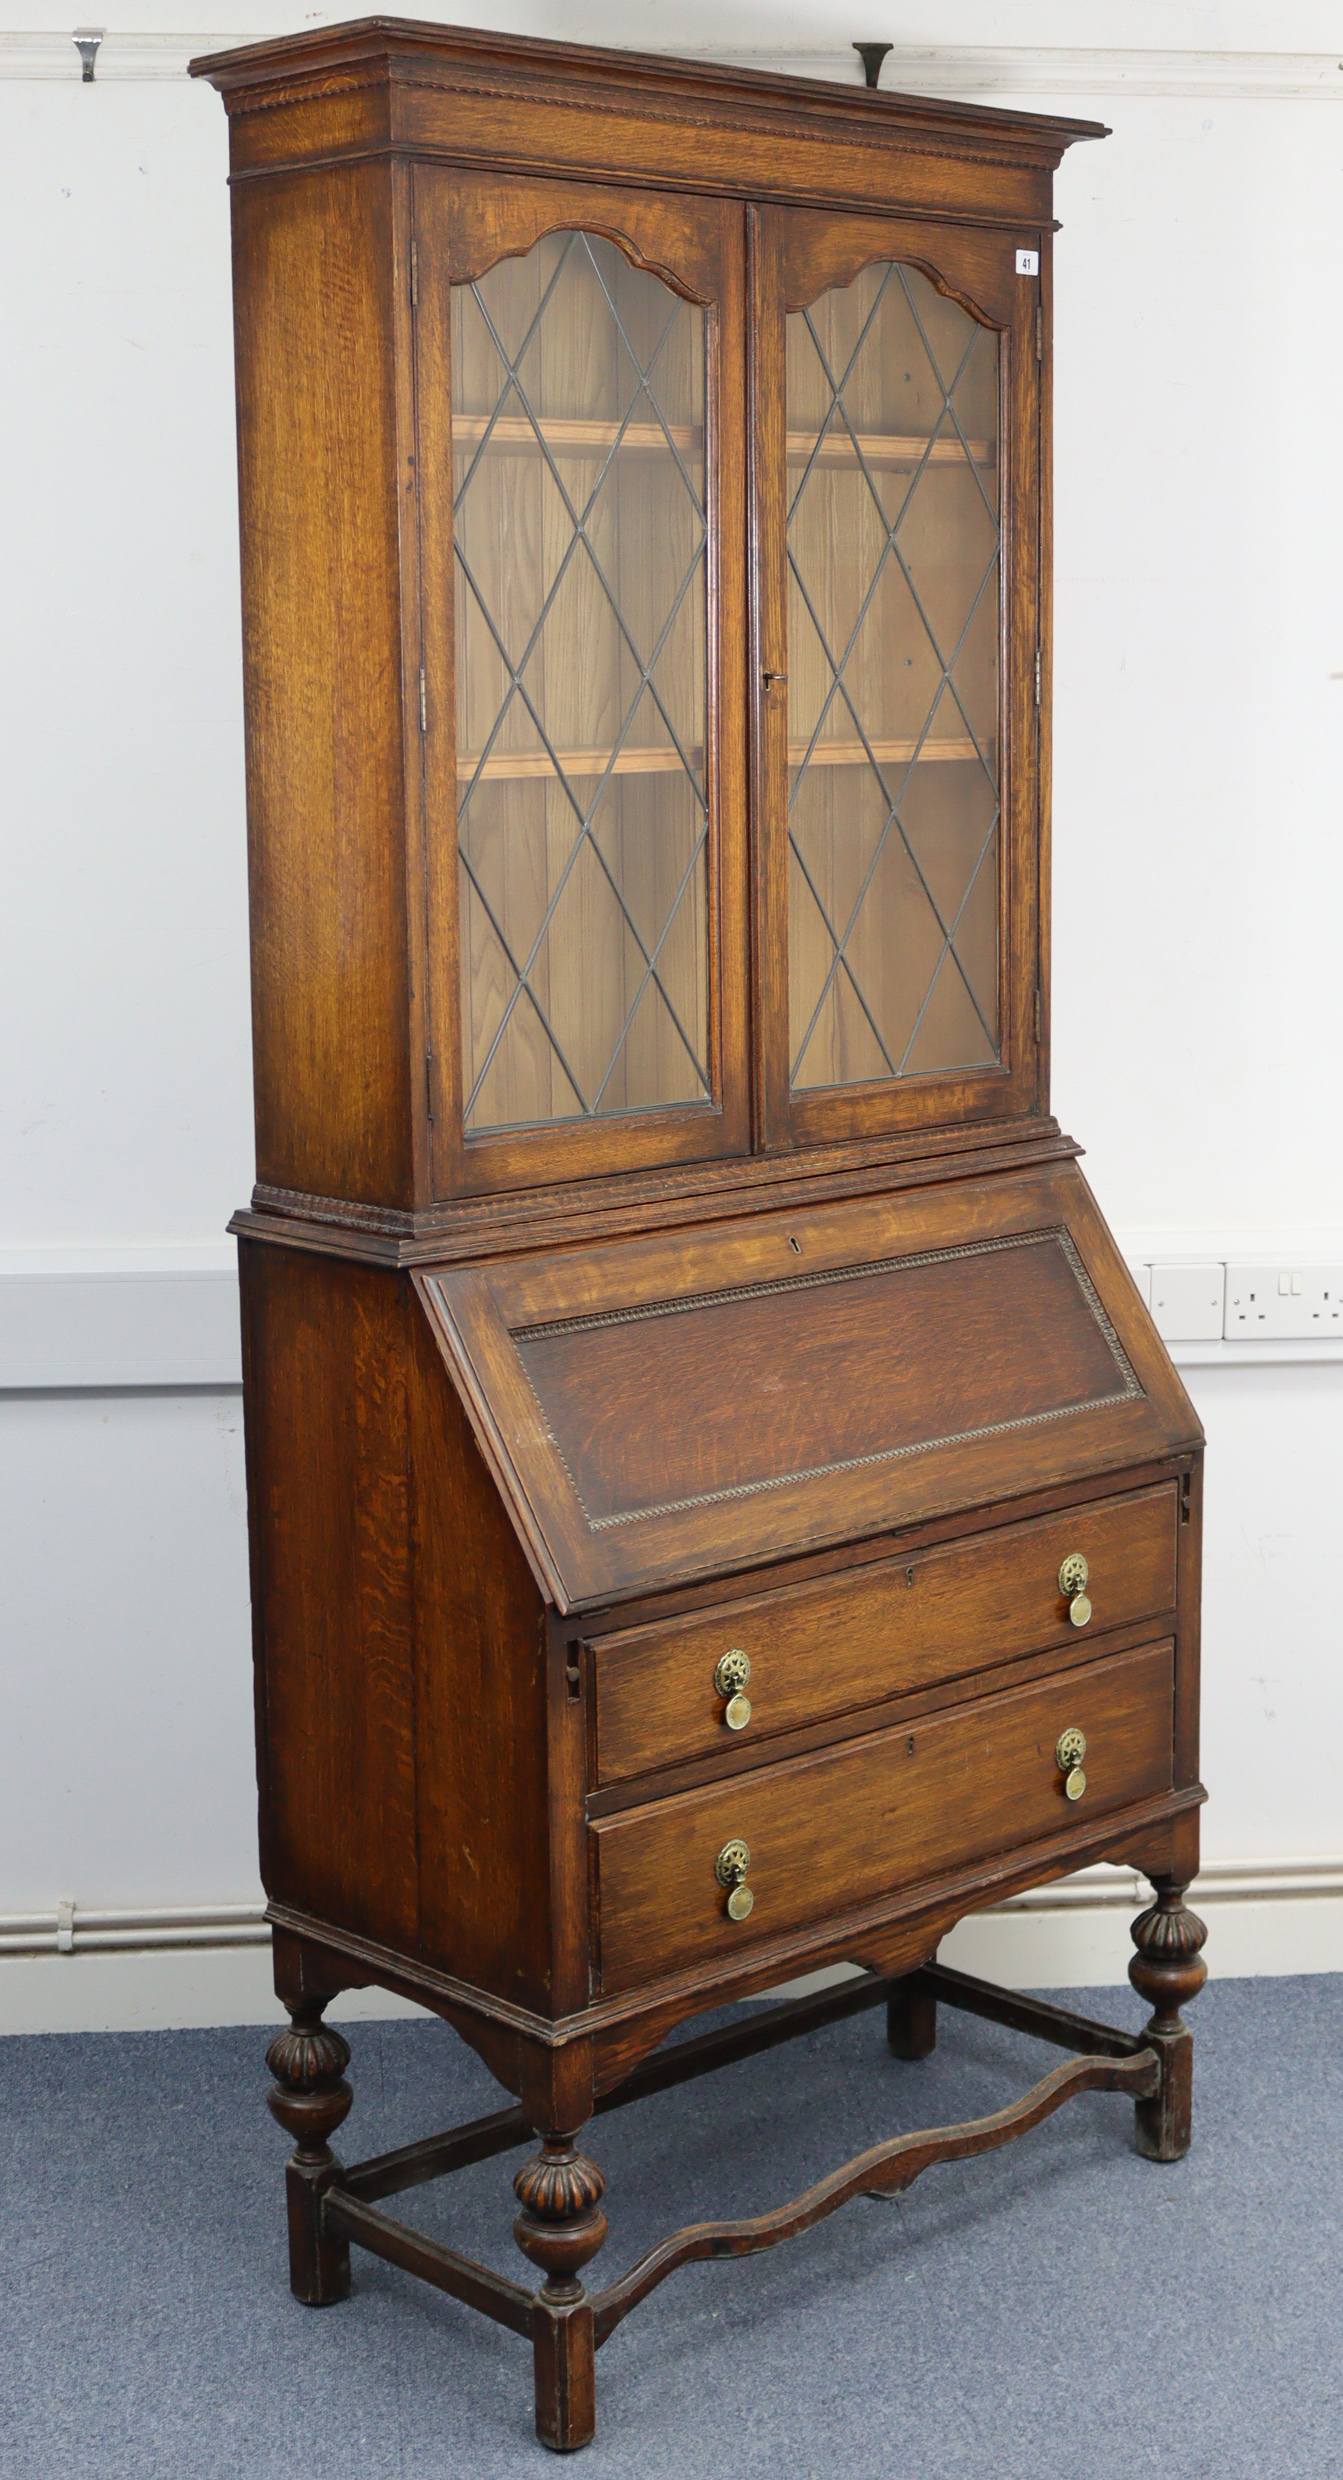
[464, 223]
[797, 254]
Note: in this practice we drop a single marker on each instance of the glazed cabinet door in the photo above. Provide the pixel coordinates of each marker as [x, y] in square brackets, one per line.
[897, 496]
[580, 420]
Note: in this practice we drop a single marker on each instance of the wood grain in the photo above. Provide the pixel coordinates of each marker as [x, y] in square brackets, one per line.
[334, 1015]
[841, 1827]
[756, 1513]
[886, 2169]
[544, 1412]
[507, 101]
[480, 1710]
[327, 1426]
[900, 1625]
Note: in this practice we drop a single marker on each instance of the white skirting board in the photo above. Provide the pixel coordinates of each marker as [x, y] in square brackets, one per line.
[170, 1970]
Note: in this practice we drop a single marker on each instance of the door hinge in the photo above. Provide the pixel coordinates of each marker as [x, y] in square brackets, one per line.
[429, 1084]
[424, 698]
[1039, 1016]
[1039, 331]
[1037, 675]
[414, 275]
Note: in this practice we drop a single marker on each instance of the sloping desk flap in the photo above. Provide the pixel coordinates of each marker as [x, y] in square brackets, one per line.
[668, 1407]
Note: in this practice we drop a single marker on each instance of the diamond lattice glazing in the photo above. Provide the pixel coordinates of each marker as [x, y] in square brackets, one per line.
[580, 533]
[893, 579]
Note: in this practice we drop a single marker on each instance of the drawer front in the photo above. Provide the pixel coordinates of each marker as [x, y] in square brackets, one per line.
[830, 1832]
[884, 1630]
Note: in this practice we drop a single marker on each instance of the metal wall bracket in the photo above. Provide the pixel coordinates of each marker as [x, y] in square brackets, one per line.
[86, 40]
[872, 56]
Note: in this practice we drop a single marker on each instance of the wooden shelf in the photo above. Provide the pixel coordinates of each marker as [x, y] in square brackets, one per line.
[514, 435]
[886, 752]
[523, 765]
[884, 450]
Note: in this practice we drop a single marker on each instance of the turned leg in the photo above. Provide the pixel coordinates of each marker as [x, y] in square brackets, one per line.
[1168, 1970]
[911, 2017]
[560, 2226]
[310, 2097]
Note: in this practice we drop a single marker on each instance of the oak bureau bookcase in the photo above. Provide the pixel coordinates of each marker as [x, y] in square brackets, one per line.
[719, 1507]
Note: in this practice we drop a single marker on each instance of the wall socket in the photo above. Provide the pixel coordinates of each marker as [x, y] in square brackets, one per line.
[1280, 1301]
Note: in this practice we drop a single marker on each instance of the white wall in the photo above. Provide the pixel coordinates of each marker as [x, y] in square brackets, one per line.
[1198, 886]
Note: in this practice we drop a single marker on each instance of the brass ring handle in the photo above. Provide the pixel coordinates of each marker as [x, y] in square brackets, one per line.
[1069, 1750]
[1073, 1576]
[730, 1870]
[731, 1673]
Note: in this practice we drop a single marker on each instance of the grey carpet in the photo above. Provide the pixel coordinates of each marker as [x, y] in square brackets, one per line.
[1062, 2306]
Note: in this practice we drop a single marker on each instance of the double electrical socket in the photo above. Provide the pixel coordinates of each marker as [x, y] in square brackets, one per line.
[1284, 1300]
[1201, 1303]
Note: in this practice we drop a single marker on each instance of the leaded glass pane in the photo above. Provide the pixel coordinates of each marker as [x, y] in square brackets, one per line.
[893, 614]
[578, 456]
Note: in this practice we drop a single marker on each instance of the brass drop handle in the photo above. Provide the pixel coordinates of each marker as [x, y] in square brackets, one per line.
[1069, 1750]
[731, 1673]
[730, 1870]
[1073, 1586]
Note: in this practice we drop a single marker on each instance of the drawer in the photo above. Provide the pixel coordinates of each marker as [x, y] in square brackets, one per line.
[830, 1832]
[877, 1631]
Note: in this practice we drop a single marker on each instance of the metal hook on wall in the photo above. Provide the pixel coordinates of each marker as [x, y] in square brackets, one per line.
[86, 40]
[872, 56]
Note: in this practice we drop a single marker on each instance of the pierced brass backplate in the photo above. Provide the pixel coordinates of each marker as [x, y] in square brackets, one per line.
[732, 1671]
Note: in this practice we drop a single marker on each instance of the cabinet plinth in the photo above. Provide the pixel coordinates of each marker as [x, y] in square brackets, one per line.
[719, 1506]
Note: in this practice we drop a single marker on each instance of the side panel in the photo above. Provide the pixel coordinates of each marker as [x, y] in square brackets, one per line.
[400, 1638]
[329, 1504]
[480, 1697]
[313, 266]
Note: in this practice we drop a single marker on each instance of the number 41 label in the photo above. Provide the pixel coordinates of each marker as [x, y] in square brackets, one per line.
[1028, 262]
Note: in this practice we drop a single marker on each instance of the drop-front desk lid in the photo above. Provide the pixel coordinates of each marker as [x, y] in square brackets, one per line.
[695, 1402]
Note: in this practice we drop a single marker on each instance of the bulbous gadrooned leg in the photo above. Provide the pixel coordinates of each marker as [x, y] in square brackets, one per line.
[1167, 1971]
[310, 2097]
[560, 2226]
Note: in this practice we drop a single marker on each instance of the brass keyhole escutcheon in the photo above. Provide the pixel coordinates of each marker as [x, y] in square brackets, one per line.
[731, 1673]
[1069, 1750]
[730, 1870]
[1073, 1577]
